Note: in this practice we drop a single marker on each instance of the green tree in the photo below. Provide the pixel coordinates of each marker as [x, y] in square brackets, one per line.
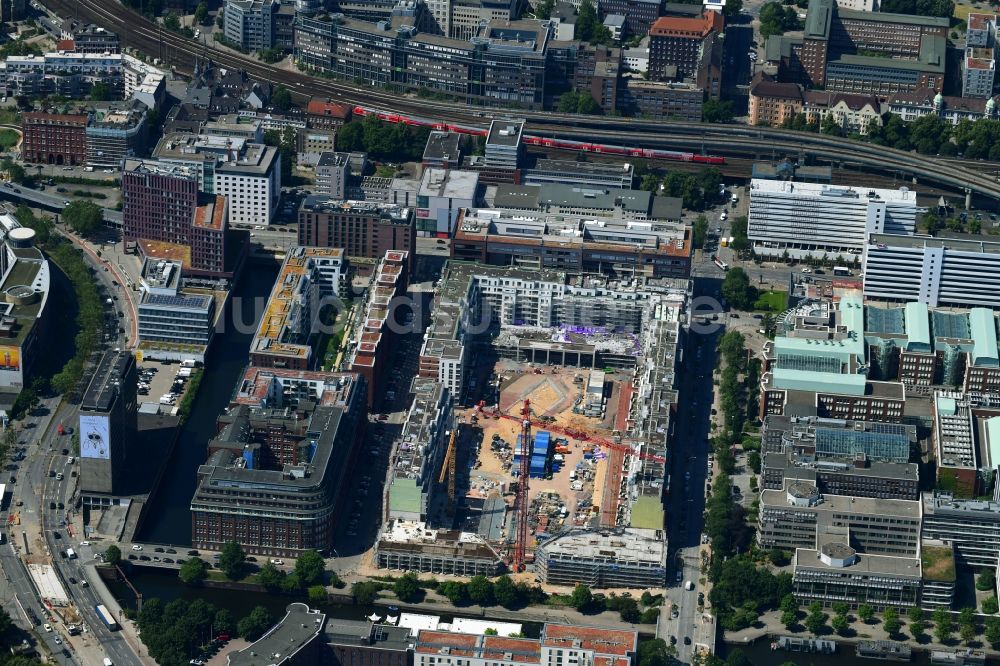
[407, 588]
[840, 608]
[281, 99]
[890, 621]
[588, 24]
[83, 217]
[223, 622]
[310, 567]
[365, 592]
[506, 592]
[5, 622]
[715, 111]
[788, 604]
[992, 634]
[789, 619]
[653, 653]
[543, 9]
[220, 18]
[829, 125]
[915, 615]
[629, 611]
[990, 605]
[943, 625]
[840, 624]
[776, 18]
[581, 598]
[455, 591]
[968, 632]
[231, 560]
[986, 581]
[201, 13]
[270, 576]
[113, 555]
[256, 623]
[172, 22]
[699, 231]
[480, 590]
[866, 613]
[317, 594]
[737, 290]
[193, 571]
[15, 172]
[100, 92]
[815, 620]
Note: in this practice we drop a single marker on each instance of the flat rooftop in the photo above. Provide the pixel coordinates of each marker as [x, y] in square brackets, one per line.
[628, 547]
[965, 243]
[504, 133]
[297, 629]
[865, 565]
[833, 193]
[105, 383]
[445, 146]
[843, 504]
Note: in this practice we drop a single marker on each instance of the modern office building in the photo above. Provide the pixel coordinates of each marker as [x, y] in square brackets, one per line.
[164, 218]
[640, 15]
[933, 270]
[627, 558]
[573, 243]
[856, 476]
[108, 428]
[833, 571]
[350, 642]
[51, 138]
[504, 64]
[442, 195]
[332, 172]
[792, 517]
[824, 438]
[174, 324]
[371, 348]
[504, 146]
[807, 219]
[676, 44]
[600, 204]
[665, 100]
[25, 314]
[115, 132]
[276, 478]
[443, 150]
[570, 172]
[970, 526]
[364, 229]
[297, 640]
[250, 24]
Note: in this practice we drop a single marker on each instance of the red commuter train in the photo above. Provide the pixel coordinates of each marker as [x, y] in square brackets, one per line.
[546, 142]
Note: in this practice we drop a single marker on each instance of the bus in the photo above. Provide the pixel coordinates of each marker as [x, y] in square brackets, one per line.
[841, 271]
[106, 617]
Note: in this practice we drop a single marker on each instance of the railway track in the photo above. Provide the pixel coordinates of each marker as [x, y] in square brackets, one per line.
[728, 140]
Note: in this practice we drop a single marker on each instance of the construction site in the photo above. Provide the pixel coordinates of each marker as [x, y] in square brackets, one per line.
[554, 454]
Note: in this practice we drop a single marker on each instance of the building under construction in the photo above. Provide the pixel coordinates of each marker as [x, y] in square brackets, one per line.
[623, 558]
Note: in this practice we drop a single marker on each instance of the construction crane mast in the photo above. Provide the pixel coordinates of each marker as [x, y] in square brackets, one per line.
[448, 469]
[521, 500]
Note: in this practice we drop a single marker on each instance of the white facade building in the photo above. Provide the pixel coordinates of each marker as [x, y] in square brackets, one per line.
[859, 5]
[981, 30]
[808, 219]
[935, 271]
[250, 23]
[978, 71]
[442, 194]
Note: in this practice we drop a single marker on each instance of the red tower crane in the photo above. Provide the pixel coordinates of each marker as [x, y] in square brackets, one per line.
[521, 499]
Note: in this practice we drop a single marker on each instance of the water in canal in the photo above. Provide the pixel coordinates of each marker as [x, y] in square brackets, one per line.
[169, 517]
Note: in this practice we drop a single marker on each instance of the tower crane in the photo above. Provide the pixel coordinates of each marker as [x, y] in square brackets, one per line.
[521, 499]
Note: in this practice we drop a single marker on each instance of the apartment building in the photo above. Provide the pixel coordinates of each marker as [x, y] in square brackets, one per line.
[981, 30]
[442, 195]
[676, 44]
[808, 219]
[505, 64]
[332, 172]
[365, 229]
[250, 24]
[791, 518]
[945, 271]
[774, 102]
[978, 72]
[276, 478]
[88, 38]
[323, 113]
[370, 350]
[51, 138]
[923, 102]
[108, 429]
[115, 132]
[308, 279]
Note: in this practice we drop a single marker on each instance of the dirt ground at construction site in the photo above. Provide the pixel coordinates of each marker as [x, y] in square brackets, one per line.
[563, 499]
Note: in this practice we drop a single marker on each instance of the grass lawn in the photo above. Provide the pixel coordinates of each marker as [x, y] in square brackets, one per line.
[8, 139]
[962, 11]
[771, 301]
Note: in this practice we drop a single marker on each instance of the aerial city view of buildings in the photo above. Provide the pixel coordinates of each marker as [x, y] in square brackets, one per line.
[496, 333]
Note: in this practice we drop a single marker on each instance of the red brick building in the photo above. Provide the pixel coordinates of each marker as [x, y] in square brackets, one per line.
[364, 229]
[675, 44]
[51, 138]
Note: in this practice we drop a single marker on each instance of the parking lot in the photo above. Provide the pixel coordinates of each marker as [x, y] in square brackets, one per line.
[158, 379]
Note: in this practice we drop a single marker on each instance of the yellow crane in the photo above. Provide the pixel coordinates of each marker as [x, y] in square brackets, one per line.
[449, 469]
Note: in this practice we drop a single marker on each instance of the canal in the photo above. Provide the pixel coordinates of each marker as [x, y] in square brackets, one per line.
[168, 519]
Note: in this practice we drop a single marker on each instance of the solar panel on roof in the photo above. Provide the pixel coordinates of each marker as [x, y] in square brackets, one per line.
[178, 301]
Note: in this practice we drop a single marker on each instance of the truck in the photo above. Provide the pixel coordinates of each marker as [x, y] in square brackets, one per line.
[189, 363]
[70, 554]
[107, 618]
